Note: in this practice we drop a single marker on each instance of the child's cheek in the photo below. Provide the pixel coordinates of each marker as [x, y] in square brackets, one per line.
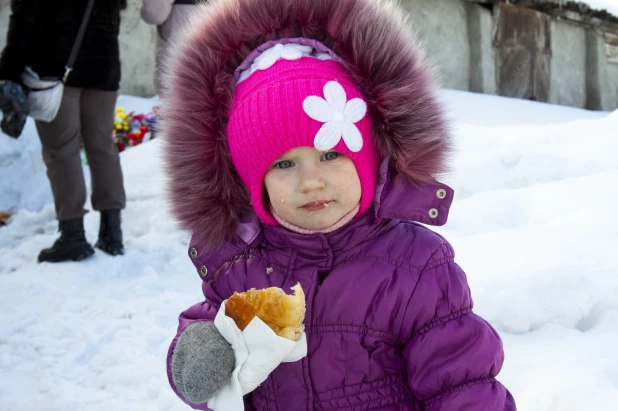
[277, 192]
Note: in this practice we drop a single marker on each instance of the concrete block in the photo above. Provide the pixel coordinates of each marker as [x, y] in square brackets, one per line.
[5, 13]
[137, 52]
[600, 93]
[442, 27]
[482, 53]
[610, 101]
[568, 64]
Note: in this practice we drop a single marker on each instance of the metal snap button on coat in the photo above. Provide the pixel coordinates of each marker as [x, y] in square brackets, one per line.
[433, 213]
[441, 194]
[204, 271]
[193, 252]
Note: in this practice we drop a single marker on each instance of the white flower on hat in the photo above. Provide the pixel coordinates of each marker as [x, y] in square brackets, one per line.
[291, 51]
[338, 116]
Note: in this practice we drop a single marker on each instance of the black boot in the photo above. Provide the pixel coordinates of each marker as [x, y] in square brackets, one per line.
[71, 246]
[110, 233]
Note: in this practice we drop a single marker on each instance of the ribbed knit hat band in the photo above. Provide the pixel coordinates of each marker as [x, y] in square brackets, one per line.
[267, 119]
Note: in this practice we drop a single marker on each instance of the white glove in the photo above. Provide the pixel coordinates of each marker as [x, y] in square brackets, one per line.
[258, 351]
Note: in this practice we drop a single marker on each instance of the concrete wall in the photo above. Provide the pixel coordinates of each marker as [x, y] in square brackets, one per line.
[601, 76]
[442, 27]
[440, 24]
[612, 87]
[568, 64]
[5, 12]
[600, 92]
[458, 39]
[137, 51]
[482, 53]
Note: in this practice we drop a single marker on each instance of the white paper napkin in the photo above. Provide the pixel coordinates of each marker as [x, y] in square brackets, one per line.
[258, 351]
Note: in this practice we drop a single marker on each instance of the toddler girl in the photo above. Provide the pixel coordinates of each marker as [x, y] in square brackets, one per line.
[303, 140]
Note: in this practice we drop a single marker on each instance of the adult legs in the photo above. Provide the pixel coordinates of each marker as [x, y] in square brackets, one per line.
[108, 195]
[60, 141]
[97, 123]
[60, 146]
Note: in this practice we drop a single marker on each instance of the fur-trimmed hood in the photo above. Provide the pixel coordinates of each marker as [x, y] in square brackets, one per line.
[379, 51]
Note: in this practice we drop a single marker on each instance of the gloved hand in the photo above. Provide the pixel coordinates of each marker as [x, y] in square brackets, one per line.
[13, 105]
[202, 362]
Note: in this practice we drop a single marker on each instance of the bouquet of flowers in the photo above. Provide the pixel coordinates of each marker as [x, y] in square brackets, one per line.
[132, 128]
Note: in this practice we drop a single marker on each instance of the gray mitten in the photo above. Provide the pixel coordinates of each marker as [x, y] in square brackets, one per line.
[202, 362]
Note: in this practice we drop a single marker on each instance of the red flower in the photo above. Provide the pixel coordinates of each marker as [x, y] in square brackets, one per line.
[120, 145]
[135, 137]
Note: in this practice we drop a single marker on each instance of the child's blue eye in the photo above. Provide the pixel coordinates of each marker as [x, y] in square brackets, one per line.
[284, 164]
[331, 155]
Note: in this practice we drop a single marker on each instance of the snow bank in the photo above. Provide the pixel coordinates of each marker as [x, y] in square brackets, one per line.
[532, 224]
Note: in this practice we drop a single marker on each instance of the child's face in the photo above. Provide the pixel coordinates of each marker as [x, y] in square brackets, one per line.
[312, 189]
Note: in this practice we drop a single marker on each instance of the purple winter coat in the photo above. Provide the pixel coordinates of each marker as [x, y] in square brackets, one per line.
[389, 318]
[389, 323]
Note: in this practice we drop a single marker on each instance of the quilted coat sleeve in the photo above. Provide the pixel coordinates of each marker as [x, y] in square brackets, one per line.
[203, 312]
[453, 354]
[27, 18]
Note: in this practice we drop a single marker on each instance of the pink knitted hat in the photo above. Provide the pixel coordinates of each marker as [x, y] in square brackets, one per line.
[272, 114]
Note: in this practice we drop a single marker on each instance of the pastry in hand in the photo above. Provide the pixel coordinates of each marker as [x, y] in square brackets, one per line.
[283, 313]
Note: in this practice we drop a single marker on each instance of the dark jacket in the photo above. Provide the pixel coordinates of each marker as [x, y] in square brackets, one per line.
[42, 32]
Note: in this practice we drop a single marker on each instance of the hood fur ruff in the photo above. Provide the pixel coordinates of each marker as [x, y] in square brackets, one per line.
[379, 51]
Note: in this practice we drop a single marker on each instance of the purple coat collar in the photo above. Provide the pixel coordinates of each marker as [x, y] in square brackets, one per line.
[395, 200]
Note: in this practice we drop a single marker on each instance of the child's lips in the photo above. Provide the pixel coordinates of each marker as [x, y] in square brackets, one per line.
[316, 205]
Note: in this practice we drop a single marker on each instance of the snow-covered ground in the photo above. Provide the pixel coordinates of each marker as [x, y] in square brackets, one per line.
[533, 225]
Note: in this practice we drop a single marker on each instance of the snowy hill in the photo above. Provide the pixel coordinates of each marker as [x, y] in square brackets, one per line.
[533, 226]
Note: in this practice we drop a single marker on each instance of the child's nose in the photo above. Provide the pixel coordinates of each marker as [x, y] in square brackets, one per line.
[311, 180]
